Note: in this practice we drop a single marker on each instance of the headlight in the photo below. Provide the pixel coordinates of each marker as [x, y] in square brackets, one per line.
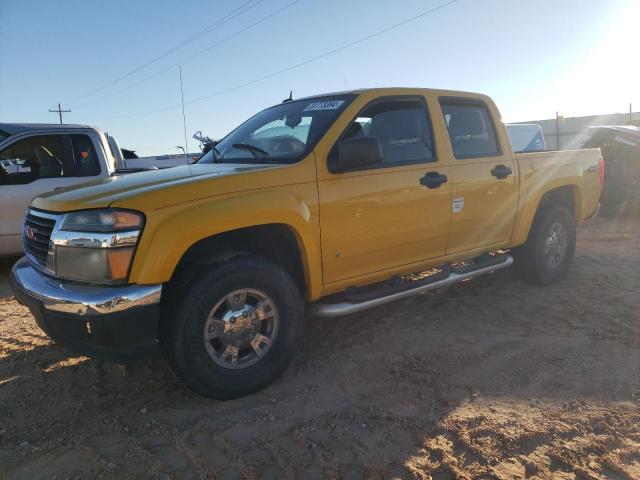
[96, 246]
[102, 221]
[94, 265]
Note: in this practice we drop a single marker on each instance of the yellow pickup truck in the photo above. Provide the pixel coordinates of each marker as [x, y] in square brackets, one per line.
[337, 203]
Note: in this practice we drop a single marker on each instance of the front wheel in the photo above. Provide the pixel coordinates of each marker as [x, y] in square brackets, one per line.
[236, 329]
[547, 254]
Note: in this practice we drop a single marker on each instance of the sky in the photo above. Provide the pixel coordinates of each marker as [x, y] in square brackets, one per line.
[116, 64]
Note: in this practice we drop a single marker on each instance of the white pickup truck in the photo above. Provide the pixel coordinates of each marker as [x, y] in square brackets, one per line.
[38, 158]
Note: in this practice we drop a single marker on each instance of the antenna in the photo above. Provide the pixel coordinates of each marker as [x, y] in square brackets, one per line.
[184, 124]
[59, 111]
[290, 97]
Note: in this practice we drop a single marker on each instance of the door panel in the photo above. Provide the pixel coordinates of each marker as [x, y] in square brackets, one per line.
[489, 204]
[16, 198]
[483, 176]
[381, 219]
[393, 215]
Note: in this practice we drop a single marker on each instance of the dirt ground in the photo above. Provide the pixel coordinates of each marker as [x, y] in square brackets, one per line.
[491, 379]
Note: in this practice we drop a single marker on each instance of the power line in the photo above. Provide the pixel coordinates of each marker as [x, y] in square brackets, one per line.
[197, 54]
[209, 28]
[305, 62]
[323, 55]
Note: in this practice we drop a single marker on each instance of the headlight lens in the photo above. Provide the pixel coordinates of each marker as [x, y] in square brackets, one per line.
[94, 265]
[97, 246]
[102, 221]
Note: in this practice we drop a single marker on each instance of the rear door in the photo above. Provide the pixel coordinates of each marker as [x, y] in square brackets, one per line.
[377, 220]
[483, 176]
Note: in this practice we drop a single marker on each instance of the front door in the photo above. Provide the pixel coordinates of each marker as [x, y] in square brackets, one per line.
[35, 165]
[392, 215]
[483, 177]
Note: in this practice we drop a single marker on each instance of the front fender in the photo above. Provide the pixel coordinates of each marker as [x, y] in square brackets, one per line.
[171, 231]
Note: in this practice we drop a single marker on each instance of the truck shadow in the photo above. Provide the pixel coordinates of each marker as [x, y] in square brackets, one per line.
[440, 384]
[5, 267]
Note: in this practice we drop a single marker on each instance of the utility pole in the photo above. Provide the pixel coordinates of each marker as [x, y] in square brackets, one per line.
[59, 111]
[557, 131]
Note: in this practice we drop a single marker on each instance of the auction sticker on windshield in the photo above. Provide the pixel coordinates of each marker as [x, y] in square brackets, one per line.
[328, 105]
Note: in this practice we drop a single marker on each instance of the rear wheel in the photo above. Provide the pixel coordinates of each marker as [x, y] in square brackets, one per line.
[235, 329]
[547, 254]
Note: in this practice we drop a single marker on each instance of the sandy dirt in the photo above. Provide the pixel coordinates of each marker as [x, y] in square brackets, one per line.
[490, 379]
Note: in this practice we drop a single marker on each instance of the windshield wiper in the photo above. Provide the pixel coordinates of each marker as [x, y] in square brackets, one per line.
[251, 148]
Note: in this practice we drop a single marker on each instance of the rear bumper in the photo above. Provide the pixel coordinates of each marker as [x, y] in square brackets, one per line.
[117, 323]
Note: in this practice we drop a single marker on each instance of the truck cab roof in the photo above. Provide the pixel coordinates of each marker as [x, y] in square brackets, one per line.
[382, 91]
[11, 128]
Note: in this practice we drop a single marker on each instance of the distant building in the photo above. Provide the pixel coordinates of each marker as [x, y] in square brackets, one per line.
[572, 132]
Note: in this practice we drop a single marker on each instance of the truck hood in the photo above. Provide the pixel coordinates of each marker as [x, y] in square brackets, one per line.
[104, 192]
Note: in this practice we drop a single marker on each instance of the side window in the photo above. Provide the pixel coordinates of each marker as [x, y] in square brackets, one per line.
[31, 159]
[471, 129]
[85, 156]
[403, 128]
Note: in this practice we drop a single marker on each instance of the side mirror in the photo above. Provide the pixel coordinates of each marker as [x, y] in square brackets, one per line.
[359, 152]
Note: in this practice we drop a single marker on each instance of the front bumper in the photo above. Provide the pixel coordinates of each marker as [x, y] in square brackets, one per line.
[117, 323]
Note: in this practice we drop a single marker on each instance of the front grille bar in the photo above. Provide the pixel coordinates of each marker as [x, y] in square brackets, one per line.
[37, 230]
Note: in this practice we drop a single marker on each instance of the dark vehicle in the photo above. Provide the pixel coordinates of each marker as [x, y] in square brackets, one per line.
[620, 146]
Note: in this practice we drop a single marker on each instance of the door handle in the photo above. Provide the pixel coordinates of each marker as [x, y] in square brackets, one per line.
[501, 171]
[433, 180]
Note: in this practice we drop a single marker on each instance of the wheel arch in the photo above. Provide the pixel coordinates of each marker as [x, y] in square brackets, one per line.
[275, 242]
[569, 196]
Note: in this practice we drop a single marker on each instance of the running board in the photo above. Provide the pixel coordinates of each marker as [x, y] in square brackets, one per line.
[321, 309]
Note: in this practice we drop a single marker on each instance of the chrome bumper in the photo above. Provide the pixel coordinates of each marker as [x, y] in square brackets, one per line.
[80, 299]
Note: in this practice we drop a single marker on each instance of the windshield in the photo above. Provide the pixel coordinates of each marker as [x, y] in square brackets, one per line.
[284, 133]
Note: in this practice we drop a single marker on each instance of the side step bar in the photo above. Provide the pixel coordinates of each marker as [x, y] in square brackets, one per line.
[321, 309]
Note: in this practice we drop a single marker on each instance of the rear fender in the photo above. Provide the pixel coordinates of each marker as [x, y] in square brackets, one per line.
[538, 201]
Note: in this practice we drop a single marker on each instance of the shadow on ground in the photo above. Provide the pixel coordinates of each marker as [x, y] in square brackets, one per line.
[5, 268]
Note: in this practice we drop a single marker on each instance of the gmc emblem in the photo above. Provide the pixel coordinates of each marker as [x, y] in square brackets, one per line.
[30, 233]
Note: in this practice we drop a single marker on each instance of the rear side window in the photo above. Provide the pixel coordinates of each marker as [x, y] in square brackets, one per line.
[84, 156]
[401, 125]
[471, 129]
[33, 158]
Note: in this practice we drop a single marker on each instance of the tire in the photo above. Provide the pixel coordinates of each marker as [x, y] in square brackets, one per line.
[262, 332]
[547, 253]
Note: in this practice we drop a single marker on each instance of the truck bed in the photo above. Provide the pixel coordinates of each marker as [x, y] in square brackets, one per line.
[544, 171]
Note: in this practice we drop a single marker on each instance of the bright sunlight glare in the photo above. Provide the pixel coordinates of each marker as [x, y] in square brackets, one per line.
[607, 80]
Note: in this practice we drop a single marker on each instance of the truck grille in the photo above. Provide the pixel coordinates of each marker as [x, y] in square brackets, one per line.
[36, 235]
